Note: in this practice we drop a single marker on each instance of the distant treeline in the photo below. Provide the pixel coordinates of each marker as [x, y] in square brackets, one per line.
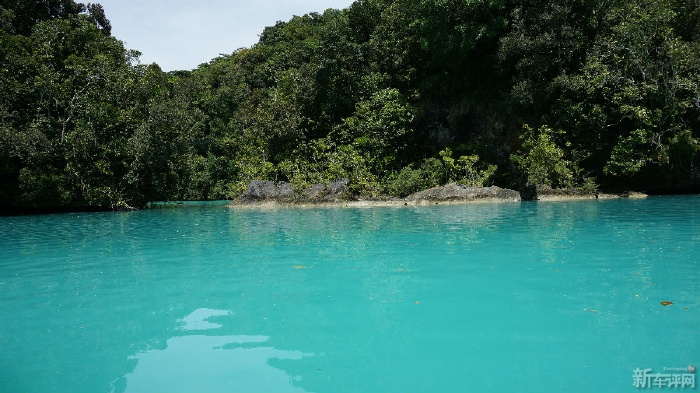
[395, 95]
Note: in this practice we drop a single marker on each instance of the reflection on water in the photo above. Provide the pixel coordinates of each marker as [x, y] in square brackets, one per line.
[198, 319]
[210, 363]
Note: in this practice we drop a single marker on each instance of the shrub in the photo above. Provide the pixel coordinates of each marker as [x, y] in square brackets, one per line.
[541, 160]
[410, 180]
[466, 169]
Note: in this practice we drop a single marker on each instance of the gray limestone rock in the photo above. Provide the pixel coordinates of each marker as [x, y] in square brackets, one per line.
[459, 192]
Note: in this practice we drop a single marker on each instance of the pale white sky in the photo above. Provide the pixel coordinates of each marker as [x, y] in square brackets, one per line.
[182, 34]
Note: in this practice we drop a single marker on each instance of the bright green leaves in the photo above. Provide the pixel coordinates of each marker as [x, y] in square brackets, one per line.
[630, 154]
[321, 160]
[430, 173]
[380, 128]
[542, 160]
[467, 169]
[638, 149]
[634, 93]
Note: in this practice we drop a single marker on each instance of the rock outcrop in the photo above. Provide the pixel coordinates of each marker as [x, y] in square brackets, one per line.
[459, 192]
[259, 191]
[265, 191]
[336, 193]
[544, 194]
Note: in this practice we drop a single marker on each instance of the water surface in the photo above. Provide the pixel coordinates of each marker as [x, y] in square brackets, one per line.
[527, 297]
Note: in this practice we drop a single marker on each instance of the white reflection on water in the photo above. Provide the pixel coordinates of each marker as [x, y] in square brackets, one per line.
[197, 320]
[205, 363]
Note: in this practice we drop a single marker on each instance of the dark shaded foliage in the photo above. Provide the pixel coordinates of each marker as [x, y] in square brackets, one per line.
[571, 93]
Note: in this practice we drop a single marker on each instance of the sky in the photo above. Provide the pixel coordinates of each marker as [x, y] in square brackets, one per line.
[182, 34]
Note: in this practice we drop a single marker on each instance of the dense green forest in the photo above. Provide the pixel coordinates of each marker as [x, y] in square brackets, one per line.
[395, 95]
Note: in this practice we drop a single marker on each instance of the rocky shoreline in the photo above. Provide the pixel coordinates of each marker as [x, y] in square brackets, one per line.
[546, 194]
[265, 193]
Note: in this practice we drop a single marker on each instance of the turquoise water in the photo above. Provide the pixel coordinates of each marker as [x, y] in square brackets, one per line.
[520, 297]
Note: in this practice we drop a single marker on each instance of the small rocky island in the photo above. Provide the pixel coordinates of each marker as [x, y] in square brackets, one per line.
[266, 192]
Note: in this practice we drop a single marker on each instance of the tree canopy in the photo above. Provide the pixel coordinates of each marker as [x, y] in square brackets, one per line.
[395, 95]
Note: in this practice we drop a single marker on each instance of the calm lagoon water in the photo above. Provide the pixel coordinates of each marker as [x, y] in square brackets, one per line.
[519, 297]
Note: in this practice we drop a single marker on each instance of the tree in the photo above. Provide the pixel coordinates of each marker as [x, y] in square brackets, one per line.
[637, 90]
[164, 142]
[381, 129]
[25, 14]
[542, 161]
[466, 169]
[96, 13]
[544, 41]
[66, 119]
